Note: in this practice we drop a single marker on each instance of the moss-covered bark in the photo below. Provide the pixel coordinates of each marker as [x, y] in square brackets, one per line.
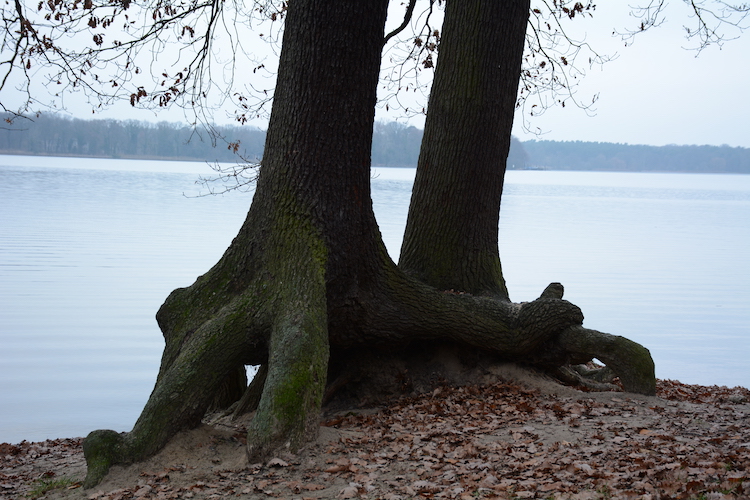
[287, 414]
[451, 237]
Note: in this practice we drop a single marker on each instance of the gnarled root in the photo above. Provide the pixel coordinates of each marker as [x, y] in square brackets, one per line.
[630, 361]
[289, 408]
[283, 324]
[595, 380]
[103, 449]
[279, 321]
[181, 396]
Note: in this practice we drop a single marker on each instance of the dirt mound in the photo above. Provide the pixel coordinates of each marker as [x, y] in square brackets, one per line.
[524, 437]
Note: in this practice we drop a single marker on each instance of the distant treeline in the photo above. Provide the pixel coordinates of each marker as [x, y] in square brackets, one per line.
[62, 136]
[394, 145]
[603, 156]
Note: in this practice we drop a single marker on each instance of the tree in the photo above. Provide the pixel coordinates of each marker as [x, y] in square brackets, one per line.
[451, 237]
[265, 301]
[307, 289]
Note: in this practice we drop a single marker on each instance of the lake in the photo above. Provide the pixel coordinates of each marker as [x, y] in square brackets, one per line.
[90, 248]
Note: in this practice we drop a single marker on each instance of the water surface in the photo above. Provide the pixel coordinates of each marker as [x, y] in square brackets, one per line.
[90, 248]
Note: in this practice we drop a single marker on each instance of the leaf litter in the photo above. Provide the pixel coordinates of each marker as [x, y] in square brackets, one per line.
[506, 440]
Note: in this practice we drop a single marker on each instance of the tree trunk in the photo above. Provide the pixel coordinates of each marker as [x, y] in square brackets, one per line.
[265, 301]
[451, 237]
[308, 281]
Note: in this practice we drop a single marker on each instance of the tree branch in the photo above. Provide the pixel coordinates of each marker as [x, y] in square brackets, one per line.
[404, 24]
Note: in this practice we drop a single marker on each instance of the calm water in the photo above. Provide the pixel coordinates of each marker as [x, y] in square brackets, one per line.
[89, 249]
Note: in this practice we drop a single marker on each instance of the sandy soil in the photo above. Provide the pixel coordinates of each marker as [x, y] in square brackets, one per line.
[521, 436]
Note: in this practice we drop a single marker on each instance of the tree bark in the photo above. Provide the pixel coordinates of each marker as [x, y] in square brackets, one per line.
[451, 237]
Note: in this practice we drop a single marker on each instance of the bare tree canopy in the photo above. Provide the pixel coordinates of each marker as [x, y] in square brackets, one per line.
[204, 55]
[150, 54]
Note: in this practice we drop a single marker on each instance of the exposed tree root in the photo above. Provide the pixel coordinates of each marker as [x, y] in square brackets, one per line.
[630, 361]
[297, 357]
[307, 282]
[579, 375]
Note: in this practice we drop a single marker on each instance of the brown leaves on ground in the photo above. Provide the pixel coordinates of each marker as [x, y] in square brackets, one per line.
[498, 441]
[26, 468]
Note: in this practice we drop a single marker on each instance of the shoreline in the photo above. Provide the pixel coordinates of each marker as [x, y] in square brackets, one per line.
[714, 390]
[535, 168]
[523, 437]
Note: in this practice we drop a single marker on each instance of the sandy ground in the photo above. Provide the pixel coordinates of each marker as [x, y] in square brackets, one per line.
[519, 437]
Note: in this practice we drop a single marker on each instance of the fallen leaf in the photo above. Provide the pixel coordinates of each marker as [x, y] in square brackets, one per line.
[348, 492]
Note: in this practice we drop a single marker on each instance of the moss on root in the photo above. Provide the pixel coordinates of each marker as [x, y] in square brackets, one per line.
[288, 412]
[629, 360]
[103, 449]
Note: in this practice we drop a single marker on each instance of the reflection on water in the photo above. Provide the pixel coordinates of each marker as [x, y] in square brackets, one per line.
[90, 248]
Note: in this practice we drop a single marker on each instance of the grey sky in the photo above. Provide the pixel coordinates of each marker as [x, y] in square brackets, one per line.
[655, 92]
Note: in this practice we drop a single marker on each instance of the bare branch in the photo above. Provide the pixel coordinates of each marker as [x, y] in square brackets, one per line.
[405, 61]
[718, 23]
[714, 22]
[555, 61]
[98, 48]
[404, 24]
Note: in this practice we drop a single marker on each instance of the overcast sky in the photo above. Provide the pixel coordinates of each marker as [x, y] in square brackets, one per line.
[655, 92]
